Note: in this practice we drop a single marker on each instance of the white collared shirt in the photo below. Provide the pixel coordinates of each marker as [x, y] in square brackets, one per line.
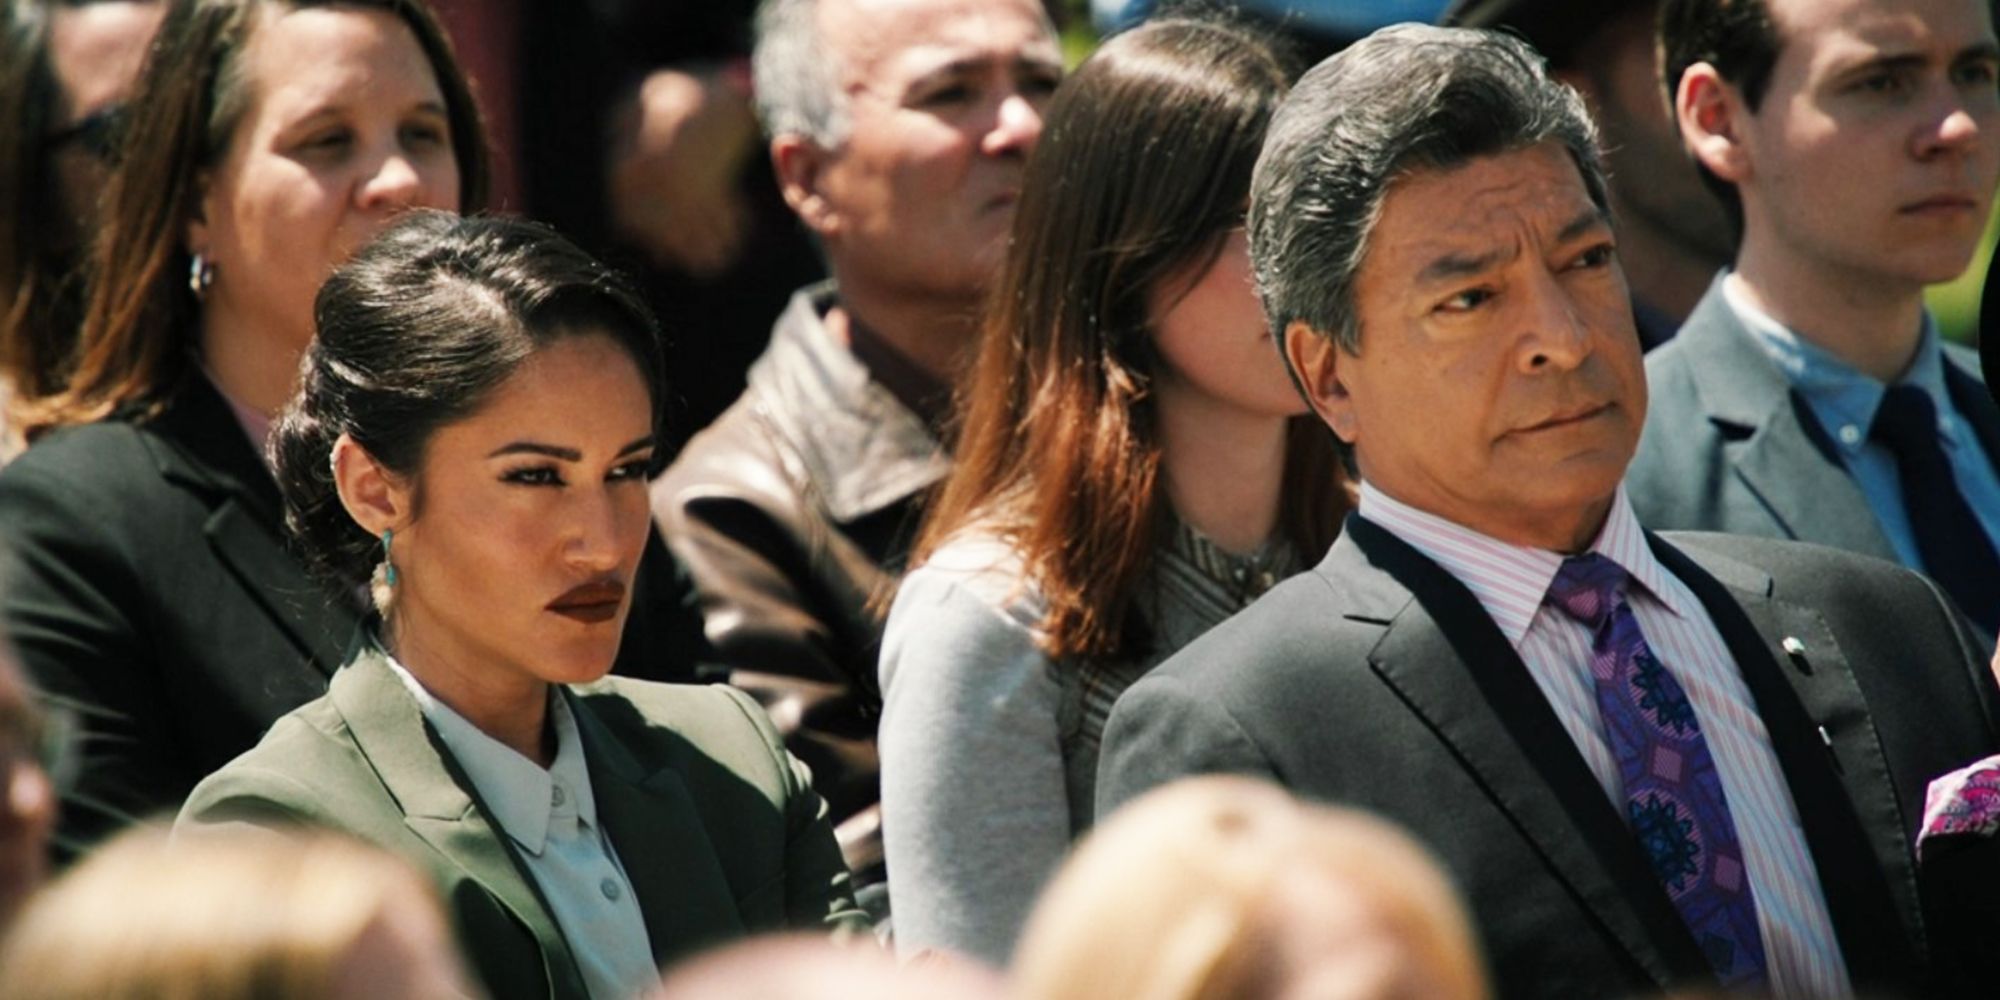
[551, 816]
[1510, 581]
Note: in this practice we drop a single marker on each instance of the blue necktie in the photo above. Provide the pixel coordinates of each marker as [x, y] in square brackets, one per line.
[1950, 539]
[1673, 796]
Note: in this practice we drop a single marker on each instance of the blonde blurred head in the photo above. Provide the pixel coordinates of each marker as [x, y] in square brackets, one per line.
[233, 916]
[1226, 887]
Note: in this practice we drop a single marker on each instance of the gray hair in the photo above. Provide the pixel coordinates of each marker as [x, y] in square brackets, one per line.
[1406, 98]
[797, 76]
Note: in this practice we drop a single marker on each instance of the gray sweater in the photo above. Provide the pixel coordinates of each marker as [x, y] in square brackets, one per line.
[989, 747]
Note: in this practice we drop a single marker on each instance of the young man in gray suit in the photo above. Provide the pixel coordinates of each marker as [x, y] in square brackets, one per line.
[1652, 764]
[1856, 144]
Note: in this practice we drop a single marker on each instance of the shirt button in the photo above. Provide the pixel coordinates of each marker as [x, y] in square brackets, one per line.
[610, 889]
[556, 794]
[1850, 434]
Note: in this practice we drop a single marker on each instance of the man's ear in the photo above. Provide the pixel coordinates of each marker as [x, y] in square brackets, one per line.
[375, 497]
[1711, 115]
[1315, 357]
[800, 164]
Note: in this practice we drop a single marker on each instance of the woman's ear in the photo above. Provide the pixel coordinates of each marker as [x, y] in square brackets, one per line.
[1316, 358]
[376, 498]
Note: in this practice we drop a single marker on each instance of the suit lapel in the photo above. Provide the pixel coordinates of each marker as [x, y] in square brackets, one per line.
[1444, 656]
[439, 804]
[682, 891]
[1844, 796]
[1787, 462]
[200, 447]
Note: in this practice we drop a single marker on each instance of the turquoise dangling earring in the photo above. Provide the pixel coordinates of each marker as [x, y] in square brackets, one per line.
[388, 567]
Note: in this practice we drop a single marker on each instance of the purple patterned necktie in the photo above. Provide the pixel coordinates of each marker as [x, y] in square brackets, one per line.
[1673, 796]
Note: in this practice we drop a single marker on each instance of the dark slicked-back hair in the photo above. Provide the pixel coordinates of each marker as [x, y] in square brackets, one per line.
[1405, 99]
[1739, 40]
[415, 333]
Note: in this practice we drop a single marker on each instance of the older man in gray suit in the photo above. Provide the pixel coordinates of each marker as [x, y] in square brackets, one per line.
[1652, 763]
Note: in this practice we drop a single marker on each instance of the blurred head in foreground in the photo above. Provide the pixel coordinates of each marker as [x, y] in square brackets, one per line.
[233, 916]
[1227, 887]
[814, 967]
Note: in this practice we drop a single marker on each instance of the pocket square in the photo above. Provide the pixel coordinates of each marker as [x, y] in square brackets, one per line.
[1965, 802]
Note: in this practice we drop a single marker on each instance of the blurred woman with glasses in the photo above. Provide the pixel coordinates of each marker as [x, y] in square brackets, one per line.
[66, 70]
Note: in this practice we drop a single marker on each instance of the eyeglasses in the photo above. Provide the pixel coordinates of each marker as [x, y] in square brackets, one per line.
[97, 133]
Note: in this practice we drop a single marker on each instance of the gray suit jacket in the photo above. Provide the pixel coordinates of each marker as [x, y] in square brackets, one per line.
[1377, 680]
[1728, 446]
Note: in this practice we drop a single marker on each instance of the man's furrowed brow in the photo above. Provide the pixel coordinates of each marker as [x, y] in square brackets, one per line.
[1592, 218]
[1453, 266]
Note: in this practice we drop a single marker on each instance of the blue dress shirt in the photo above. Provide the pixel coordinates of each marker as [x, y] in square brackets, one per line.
[1844, 401]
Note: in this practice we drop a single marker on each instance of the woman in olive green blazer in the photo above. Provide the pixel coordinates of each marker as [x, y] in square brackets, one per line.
[471, 440]
[731, 839]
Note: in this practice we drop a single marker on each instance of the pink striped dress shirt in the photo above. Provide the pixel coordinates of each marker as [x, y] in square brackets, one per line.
[1510, 582]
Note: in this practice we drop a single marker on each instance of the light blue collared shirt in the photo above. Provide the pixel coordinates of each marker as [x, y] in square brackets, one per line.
[551, 816]
[1844, 402]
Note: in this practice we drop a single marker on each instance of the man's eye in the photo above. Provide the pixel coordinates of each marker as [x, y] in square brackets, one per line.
[1881, 83]
[1596, 257]
[1977, 73]
[956, 93]
[1465, 301]
[1041, 83]
[534, 475]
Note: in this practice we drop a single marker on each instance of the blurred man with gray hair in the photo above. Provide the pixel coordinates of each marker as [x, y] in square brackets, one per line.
[1652, 764]
[899, 129]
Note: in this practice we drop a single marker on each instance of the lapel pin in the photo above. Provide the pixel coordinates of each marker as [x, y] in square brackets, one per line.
[1796, 652]
[1831, 757]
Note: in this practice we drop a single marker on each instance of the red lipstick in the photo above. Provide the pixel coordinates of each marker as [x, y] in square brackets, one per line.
[592, 603]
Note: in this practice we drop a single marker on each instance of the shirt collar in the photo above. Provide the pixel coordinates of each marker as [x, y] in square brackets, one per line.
[1843, 399]
[1511, 580]
[256, 423]
[519, 793]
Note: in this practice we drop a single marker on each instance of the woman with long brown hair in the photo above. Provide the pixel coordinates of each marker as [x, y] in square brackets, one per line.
[1132, 467]
[266, 141]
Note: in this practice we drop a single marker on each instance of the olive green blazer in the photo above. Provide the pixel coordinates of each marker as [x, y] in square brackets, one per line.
[716, 825]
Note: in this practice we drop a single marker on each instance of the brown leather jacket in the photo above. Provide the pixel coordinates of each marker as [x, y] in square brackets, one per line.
[790, 512]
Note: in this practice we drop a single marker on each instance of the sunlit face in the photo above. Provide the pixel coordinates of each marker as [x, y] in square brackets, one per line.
[1499, 382]
[944, 104]
[1213, 342]
[27, 802]
[1874, 153]
[529, 517]
[345, 127]
[95, 52]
